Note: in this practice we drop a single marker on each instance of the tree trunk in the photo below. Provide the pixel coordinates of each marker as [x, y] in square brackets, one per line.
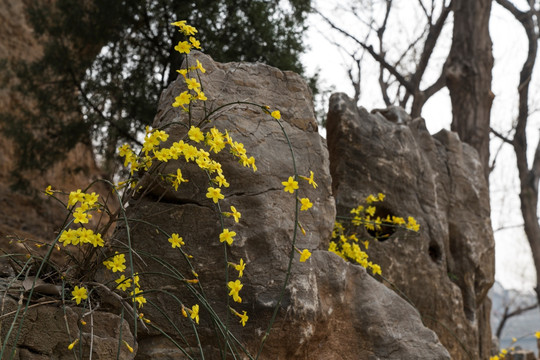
[468, 75]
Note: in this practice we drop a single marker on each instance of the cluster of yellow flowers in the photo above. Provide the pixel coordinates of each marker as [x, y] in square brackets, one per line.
[366, 215]
[346, 244]
[196, 146]
[87, 202]
[502, 354]
[348, 249]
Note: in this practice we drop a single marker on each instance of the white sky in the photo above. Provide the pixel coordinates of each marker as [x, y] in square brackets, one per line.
[514, 267]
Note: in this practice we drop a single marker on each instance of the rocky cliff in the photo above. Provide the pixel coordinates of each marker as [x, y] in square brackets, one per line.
[447, 270]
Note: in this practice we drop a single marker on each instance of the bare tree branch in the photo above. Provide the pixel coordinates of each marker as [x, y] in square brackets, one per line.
[507, 315]
[378, 57]
[501, 136]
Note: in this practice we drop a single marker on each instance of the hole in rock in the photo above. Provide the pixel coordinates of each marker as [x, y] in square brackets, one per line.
[435, 252]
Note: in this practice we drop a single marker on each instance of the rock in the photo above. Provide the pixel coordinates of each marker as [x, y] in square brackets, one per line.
[446, 269]
[48, 330]
[330, 309]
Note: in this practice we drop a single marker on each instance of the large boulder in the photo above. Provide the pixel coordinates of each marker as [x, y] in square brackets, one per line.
[330, 309]
[445, 270]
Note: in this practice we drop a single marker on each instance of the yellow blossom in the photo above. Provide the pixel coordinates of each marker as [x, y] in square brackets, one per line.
[304, 255]
[276, 114]
[243, 318]
[192, 83]
[240, 268]
[72, 345]
[237, 215]
[123, 283]
[138, 298]
[183, 47]
[290, 185]
[176, 241]
[182, 99]
[130, 349]
[412, 225]
[49, 190]
[235, 287]
[200, 67]
[227, 236]
[306, 204]
[195, 134]
[214, 194]
[194, 42]
[79, 293]
[195, 313]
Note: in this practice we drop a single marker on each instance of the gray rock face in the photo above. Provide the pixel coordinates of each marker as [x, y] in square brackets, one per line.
[448, 267]
[331, 309]
[48, 330]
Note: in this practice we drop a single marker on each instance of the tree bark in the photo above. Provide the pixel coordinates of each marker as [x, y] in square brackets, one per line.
[468, 75]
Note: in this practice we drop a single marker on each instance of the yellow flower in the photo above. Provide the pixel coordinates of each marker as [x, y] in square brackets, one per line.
[80, 217]
[75, 197]
[537, 334]
[183, 47]
[235, 287]
[130, 349]
[91, 199]
[276, 114]
[195, 134]
[304, 255]
[227, 236]
[221, 181]
[290, 185]
[138, 298]
[380, 196]
[376, 269]
[72, 345]
[214, 194]
[176, 241]
[200, 95]
[192, 84]
[240, 268]
[195, 313]
[371, 198]
[49, 190]
[184, 313]
[200, 67]
[371, 210]
[412, 225]
[235, 214]
[178, 179]
[117, 263]
[79, 293]
[182, 99]
[306, 204]
[243, 318]
[194, 42]
[123, 283]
